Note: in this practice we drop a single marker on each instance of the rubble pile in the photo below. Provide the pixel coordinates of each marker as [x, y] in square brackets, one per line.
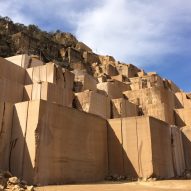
[90, 119]
[10, 183]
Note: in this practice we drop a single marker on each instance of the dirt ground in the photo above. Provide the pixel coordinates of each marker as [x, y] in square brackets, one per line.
[167, 185]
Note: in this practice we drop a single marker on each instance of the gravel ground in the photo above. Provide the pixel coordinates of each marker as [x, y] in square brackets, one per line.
[168, 185]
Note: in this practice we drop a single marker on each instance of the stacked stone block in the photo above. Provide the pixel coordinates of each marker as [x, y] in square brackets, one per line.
[96, 118]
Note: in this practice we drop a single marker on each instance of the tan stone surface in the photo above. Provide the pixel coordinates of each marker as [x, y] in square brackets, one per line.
[143, 143]
[50, 73]
[6, 113]
[182, 117]
[46, 73]
[173, 86]
[114, 89]
[136, 149]
[93, 102]
[120, 78]
[151, 96]
[18, 134]
[186, 137]
[7, 68]
[68, 151]
[142, 73]
[123, 108]
[50, 92]
[10, 91]
[182, 100]
[84, 82]
[25, 61]
[161, 148]
[115, 149]
[177, 151]
[146, 81]
[128, 70]
[47, 143]
[160, 111]
[158, 102]
[105, 59]
[110, 69]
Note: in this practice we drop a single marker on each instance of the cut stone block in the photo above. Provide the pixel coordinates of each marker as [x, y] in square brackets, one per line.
[93, 102]
[84, 82]
[186, 137]
[120, 78]
[68, 79]
[123, 108]
[11, 72]
[10, 91]
[160, 111]
[6, 113]
[142, 73]
[25, 61]
[50, 92]
[146, 81]
[45, 73]
[182, 117]
[153, 95]
[173, 86]
[50, 73]
[115, 147]
[113, 89]
[110, 69]
[56, 149]
[158, 102]
[128, 70]
[106, 59]
[182, 100]
[177, 151]
[143, 143]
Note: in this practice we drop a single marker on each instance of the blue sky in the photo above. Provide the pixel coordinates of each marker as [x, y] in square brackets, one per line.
[154, 35]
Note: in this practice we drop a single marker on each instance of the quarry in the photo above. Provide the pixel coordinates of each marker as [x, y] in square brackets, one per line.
[88, 120]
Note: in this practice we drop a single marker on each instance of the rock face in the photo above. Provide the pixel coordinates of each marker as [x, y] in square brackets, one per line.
[142, 153]
[61, 151]
[17, 38]
[87, 117]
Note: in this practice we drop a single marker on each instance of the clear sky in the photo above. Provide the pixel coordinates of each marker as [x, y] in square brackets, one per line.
[152, 34]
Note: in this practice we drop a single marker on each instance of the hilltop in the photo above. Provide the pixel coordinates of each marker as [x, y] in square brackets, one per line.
[16, 38]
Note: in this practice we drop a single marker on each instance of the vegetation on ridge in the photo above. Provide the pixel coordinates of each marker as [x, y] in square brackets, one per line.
[16, 38]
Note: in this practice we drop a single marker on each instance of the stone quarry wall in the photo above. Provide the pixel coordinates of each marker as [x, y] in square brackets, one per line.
[96, 118]
[65, 151]
[6, 115]
[142, 154]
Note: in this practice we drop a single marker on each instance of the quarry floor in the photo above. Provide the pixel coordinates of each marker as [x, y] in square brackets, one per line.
[166, 185]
